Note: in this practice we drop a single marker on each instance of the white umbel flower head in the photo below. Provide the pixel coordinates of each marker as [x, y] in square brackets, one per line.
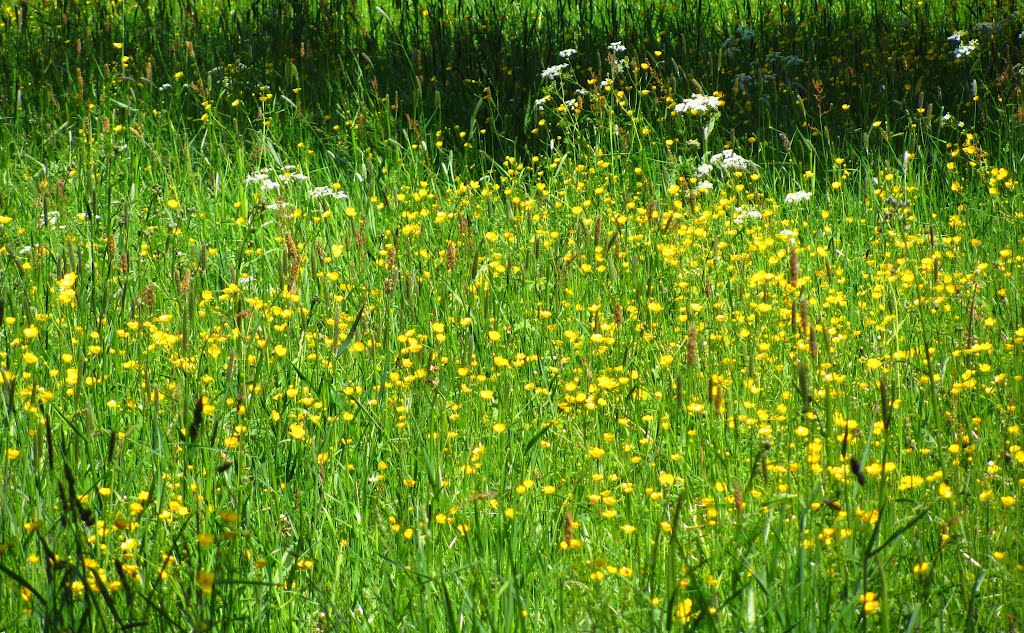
[553, 71]
[698, 104]
[797, 197]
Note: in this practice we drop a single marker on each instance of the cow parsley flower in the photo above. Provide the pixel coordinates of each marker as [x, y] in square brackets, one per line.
[328, 192]
[698, 104]
[962, 50]
[729, 160]
[744, 214]
[617, 47]
[797, 197]
[567, 53]
[553, 71]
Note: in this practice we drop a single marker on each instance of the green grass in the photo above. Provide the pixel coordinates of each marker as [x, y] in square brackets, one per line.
[538, 369]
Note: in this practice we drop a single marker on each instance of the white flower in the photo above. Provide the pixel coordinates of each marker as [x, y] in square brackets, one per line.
[705, 185]
[328, 192]
[617, 47]
[270, 185]
[248, 279]
[705, 169]
[289, 176]
[539, 103]
[567, 53]
[956, 36]
[797, 197]
[743, 214]
[965, 49]
[257, 177]
[729, 160]
[553, 71]
[698, 104]
[571, 103]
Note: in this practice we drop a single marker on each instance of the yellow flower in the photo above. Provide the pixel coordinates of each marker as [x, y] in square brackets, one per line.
[205, 580]
[173, 203]
[486, 394]
[280, 350]
[12, 454]
[684, 610]
[297, 431]
[874, 363]
[596, 452]
[870, 602]
[1007, 501]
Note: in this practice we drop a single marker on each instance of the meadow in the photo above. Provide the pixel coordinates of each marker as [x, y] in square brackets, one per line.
[323, 316]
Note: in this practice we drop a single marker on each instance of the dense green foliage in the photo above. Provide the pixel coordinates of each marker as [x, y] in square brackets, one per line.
[328, 316]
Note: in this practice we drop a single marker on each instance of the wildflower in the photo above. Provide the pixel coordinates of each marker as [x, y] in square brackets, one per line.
[745, 214]
[297, 431]
[965, 50]
[698, 104]
[617, 47]
[797, 197]
[205, 581]
[870, 602]
[552, 72]
[728, 160]
[289, 176]
[684, 610]
[327, 192]
[962, 50]
[567, 53]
